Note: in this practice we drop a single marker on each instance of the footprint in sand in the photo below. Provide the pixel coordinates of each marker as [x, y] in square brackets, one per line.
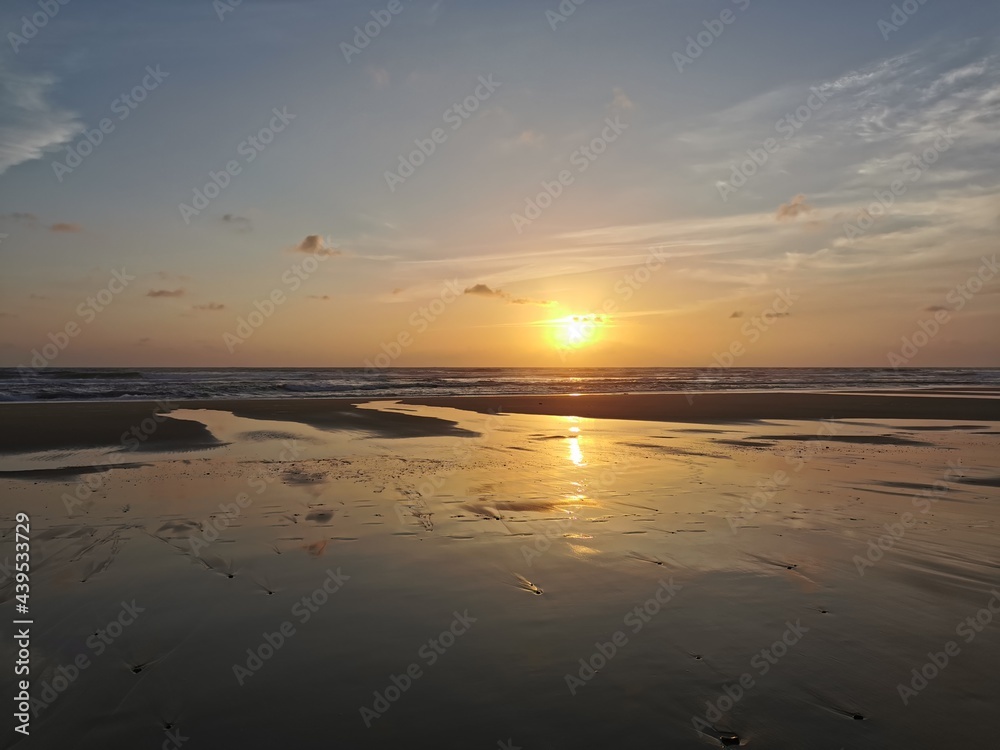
[525, 585]
[645, 558]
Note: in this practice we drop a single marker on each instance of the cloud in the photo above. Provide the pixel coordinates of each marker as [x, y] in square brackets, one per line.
[65, 226]
[793, 208]
[316, 245]
[239, 223]
[320, 296]
[167, 276]
[380, 76]
[165, 293]
[32, 220]
[24, 216]
[621, 102]
[530, 138]
[482, 290]
[30, 125]
[737, 314]
[936, 308]
[210, 307]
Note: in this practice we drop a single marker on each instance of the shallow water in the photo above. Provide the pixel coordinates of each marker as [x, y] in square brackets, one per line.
[548, 532]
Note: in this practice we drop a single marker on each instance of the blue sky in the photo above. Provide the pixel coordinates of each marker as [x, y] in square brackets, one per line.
[659, 184]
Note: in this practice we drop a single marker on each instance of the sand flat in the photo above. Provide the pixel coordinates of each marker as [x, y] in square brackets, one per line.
[549, 530]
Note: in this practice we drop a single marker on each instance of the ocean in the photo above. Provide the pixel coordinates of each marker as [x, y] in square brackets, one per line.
[178, 383]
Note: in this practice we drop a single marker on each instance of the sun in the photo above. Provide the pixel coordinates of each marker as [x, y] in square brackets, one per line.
[577, 331]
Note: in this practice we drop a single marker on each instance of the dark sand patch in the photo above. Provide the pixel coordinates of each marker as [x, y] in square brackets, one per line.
[137, 425]
[862, 439]
[747, 443]
[320, 516]
[179, 528]
[671, 450]
[489, 508]
[337, 414]
[65, 472]
[980, 481]
[915, 486]
[303, 477]
[144, 426]
[944, 428]
[255, 436]
[731, 407]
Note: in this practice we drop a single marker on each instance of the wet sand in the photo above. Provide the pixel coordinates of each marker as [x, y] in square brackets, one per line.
[427, 575]
[51, 425]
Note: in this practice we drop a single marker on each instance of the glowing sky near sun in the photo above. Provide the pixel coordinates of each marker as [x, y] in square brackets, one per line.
[482, 184]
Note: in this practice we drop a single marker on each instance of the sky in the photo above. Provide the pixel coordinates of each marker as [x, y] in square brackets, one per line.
[518, 183]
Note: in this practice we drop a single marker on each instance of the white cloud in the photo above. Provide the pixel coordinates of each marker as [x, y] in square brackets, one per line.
[30, 125]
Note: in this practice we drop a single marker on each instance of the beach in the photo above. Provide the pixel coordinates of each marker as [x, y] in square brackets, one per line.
[768, 569]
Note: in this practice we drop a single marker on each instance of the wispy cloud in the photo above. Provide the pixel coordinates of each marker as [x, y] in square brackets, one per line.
[30, 124]
[22, 217]
[65, 226]
[165, 293]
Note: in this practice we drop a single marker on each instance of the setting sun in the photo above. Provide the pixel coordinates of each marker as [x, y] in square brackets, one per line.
[576, 331]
